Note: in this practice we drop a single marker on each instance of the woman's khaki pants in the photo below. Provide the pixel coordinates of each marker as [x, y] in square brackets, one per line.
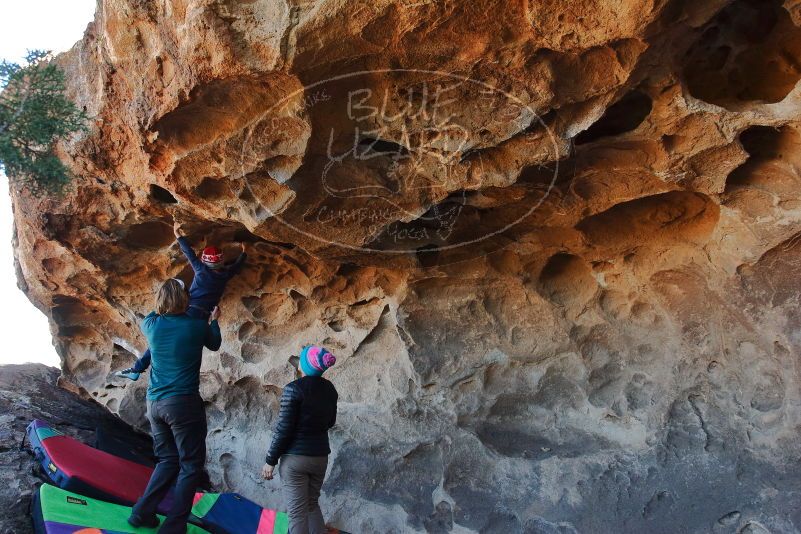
[301, 479]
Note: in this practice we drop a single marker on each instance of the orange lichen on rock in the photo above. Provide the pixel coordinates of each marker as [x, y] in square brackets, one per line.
[553, 245]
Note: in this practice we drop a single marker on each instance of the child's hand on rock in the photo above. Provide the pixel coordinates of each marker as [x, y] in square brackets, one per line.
[244, 247]
[215, 313]
[176, 229]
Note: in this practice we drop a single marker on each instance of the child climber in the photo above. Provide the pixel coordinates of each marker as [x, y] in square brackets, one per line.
[211, 276]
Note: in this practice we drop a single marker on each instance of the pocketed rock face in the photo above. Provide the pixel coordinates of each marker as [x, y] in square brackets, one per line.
[554, 247]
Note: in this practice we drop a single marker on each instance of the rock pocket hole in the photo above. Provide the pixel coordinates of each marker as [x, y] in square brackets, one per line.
[251, 303]
[656, 220]
[762, 141]
[247, 329]
[427, 255]
[347, 269]
[67, 310]
[370, 145]
[243, 235]
[151, 234]
[748, 53]
[215, 110]
[246, 195]
[212, 188]
[567, 277]
[772, 162]
[121, 358]
[160, 194]
[253, 352]
[623, 116]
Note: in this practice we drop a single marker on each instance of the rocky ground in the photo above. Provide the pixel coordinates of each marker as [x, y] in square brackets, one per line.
[555, 246]
[27, 392]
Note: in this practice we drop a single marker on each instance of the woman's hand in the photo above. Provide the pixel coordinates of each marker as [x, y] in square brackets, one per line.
[176, 229]
[215, 313]
[267, 471]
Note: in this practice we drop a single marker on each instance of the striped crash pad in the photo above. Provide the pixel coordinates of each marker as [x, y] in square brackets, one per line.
[84, 470]
[77, 467]
[237, 514]
[57, 511]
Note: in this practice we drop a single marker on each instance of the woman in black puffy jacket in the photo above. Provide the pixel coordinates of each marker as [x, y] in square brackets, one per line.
[300, 441]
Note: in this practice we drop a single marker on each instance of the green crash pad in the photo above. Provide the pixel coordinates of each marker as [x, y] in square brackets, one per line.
[61, 509]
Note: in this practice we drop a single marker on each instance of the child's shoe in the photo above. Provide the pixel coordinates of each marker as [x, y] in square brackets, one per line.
[130, 374]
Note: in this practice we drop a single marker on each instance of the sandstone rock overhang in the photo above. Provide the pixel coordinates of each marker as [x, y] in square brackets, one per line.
[553, 245]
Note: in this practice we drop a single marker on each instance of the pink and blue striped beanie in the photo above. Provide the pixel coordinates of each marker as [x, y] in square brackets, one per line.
[315, 360]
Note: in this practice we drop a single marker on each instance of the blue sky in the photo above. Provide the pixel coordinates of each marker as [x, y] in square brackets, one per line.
[51, 25]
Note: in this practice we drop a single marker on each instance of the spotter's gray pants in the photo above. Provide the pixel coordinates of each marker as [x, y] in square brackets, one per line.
[301, 479]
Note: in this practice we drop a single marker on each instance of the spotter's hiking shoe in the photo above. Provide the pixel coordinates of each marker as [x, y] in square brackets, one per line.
[139, 522]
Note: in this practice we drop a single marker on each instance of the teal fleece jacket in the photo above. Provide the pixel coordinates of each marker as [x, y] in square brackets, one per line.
[176, 343]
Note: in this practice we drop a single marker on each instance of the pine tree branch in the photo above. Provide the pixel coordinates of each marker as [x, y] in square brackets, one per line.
[17, 113]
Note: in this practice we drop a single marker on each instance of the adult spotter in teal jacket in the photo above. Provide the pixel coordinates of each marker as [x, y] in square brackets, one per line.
[176, 343]
[174, 407]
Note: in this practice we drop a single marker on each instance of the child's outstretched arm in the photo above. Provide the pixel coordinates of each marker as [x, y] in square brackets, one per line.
[196, 264]
[239, 262]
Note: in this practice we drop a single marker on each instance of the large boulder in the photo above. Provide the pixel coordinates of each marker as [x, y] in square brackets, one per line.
[554, 246]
